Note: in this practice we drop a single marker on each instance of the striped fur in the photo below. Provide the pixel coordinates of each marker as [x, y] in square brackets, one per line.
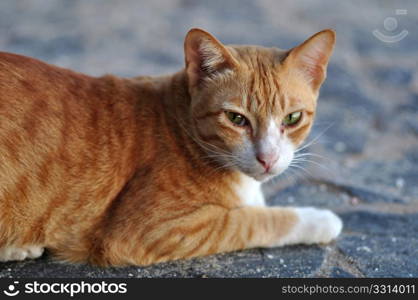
[117, 171]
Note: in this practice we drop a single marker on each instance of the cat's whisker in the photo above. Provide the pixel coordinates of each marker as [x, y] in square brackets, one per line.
[205, 145]
[224, 166]
[301, 168]
[314, 140]
[313, 162]
[314, 155]
[214, 151]
[195, 138]
[219, 155]
[310, 154]
[296, 174]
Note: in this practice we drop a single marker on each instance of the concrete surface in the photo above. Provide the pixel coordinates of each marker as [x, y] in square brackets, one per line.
[367, 119]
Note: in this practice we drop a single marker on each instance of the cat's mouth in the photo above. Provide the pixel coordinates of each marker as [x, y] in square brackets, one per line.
[265, 176]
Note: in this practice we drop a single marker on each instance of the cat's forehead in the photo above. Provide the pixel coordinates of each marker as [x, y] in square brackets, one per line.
[257, 56]
[268, 88]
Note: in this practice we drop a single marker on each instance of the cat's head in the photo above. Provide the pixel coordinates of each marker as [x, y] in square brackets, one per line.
[251, 107]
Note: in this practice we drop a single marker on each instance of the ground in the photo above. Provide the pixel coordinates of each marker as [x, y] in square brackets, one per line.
[366, 131]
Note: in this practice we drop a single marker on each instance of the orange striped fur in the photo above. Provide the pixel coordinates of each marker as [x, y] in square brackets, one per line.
[117, 171]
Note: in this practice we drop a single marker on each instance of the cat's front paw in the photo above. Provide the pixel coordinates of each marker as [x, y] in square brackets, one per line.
[313, 226]
[17, 254]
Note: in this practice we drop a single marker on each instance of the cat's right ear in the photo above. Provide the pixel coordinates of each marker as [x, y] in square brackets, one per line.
[205, 57]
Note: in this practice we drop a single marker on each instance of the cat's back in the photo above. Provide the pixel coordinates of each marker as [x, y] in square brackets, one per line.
[39, 104]
[24, 79]
[16, 67]
[48, 109]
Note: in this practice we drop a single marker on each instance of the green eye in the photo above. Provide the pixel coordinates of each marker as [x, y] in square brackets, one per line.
[292, 119]
[237, 119]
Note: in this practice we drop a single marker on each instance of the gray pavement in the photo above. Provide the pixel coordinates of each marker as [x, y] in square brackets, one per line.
[366, 128]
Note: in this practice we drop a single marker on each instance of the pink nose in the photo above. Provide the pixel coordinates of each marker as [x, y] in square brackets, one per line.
[267, 160]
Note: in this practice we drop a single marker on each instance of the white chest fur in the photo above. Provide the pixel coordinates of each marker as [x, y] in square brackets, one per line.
[249, 191]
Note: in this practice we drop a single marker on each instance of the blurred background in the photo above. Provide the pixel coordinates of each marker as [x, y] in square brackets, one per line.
[365, 140]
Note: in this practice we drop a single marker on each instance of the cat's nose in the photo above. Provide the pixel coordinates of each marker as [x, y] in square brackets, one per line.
[267, 160]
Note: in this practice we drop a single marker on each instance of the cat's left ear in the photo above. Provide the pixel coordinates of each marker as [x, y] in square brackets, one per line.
[205, 57]
[312, 56]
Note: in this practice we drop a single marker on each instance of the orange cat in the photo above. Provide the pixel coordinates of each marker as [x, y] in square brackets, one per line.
[116, 171]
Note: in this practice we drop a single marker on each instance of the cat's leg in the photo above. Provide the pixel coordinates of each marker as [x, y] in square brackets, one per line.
[11, 253]
[214, 229]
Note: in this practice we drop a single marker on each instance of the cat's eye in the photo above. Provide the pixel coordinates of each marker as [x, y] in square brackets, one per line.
[236, 118]
[292, 119]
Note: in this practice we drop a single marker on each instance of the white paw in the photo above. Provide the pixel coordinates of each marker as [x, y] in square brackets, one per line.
[12, 253]
[313, 226]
